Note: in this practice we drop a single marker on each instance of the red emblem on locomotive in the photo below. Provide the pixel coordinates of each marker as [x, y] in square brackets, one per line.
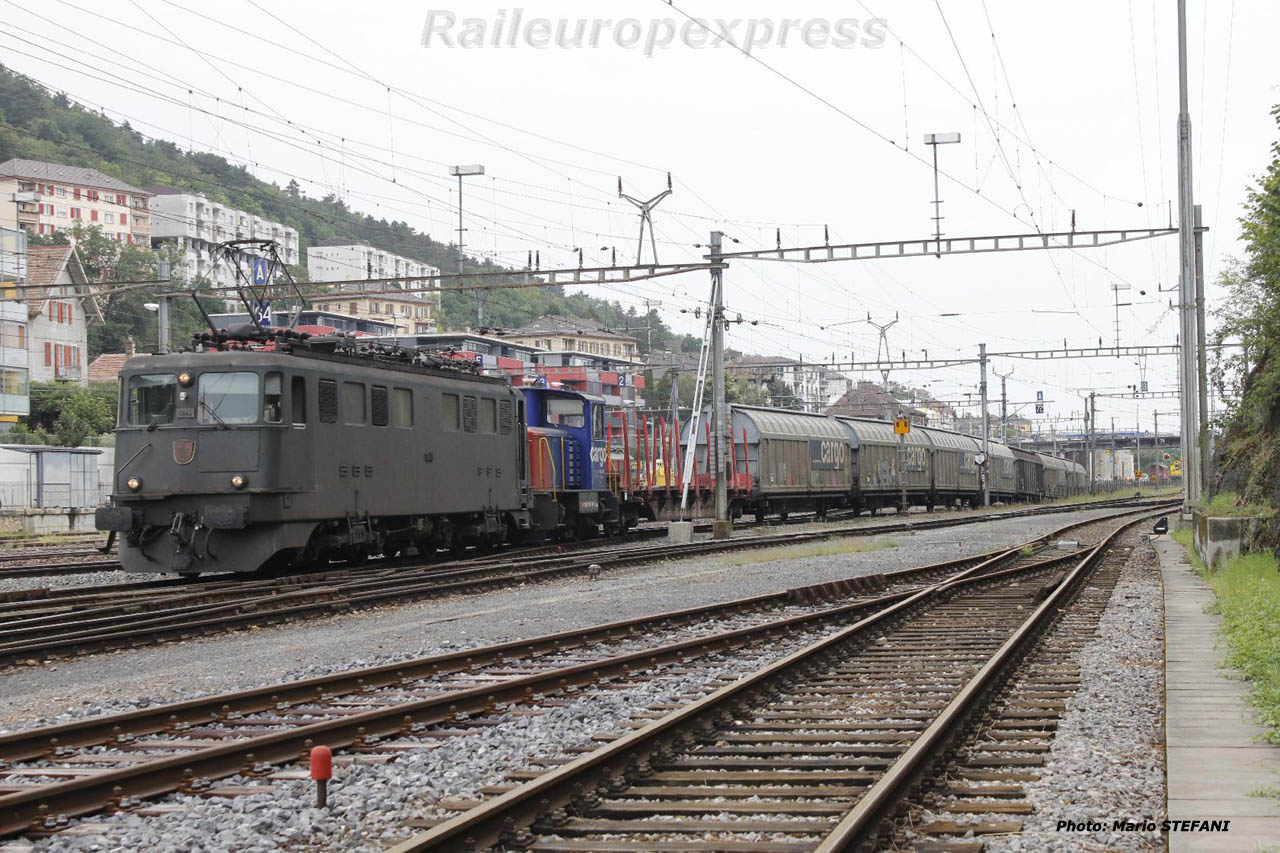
[184, 450]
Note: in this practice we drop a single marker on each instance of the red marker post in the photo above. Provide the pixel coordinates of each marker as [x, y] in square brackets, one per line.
[322, 772]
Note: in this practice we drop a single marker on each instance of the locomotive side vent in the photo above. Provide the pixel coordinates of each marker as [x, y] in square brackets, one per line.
[378, 401]
[469, 417]
[328, 401]
[505, 421]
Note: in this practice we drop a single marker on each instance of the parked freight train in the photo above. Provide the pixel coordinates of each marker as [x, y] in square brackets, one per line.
[794, 461]
[307, 450]
[311, 450]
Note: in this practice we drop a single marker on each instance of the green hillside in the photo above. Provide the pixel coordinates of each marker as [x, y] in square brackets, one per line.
[38, 124]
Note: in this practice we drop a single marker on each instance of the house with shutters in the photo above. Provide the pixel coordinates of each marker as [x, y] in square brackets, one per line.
[60, 308]
[52, 197]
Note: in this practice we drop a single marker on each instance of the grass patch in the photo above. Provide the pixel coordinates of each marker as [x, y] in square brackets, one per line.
[1229, 504]
[1248, 591]
[1126, 492]
[1272, 792]
[1247, 597]
[1181, 534]
[823, 548]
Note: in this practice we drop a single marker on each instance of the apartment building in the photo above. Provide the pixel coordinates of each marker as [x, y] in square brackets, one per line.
[51, 197]
[810, 387]
[196, 225]
[14, 379]
[555, 333]
[411, 312]
[407, 313]
[60, 307]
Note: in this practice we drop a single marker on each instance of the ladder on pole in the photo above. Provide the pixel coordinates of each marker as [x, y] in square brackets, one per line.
[691, 448]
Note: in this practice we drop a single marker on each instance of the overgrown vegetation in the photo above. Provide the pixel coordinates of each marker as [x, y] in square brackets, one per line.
[1247, 597]
[66, 415]
[1230, 503]
[1248, 377]
[40, 125]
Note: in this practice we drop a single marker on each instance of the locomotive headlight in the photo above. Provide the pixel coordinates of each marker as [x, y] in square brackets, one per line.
[239, 481]
[134, 483]
[185, 380]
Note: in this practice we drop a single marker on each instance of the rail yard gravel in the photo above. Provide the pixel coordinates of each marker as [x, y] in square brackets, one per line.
[370, 803]
[1107, 761]
[120, 680]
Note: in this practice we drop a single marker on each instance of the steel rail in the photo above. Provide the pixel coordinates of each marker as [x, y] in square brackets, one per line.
[861, 824]
[20, 810]
[26, 809]
[491, 822]
[32, 640]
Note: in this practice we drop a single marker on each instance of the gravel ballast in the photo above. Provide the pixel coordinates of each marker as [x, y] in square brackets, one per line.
[1107, 761]
[251, 658]
[370, 803]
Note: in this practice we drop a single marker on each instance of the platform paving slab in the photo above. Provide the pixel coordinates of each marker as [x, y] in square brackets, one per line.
[1214, 755]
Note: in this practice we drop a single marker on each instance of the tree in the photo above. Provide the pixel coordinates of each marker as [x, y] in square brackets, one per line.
[69, 413]
[293, 190]
[1251, 423]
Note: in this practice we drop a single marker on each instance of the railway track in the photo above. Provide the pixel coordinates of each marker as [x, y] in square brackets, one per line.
[824, 749]
[49, 774]
[41, 624]
[89, 562]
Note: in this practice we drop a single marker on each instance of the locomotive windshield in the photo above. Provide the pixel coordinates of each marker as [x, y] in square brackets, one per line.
[152, 398]
[228, 398]
[566, 412]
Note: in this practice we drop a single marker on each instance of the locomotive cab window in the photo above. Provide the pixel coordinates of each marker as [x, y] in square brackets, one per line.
[597, 422]
[152, 398]
[228, 398]
[488, 415]
[566, 412]
[273, 398]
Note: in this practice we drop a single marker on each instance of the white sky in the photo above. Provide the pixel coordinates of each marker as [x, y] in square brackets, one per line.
[1094, 83]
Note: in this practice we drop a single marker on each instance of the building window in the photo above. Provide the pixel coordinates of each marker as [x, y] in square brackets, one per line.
[75, 213]
[75, 193]
[62, 192]
[353, 306]
[93, 216]
[124, 219]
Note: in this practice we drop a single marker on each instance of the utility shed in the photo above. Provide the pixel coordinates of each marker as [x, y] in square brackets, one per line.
[37, 477]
